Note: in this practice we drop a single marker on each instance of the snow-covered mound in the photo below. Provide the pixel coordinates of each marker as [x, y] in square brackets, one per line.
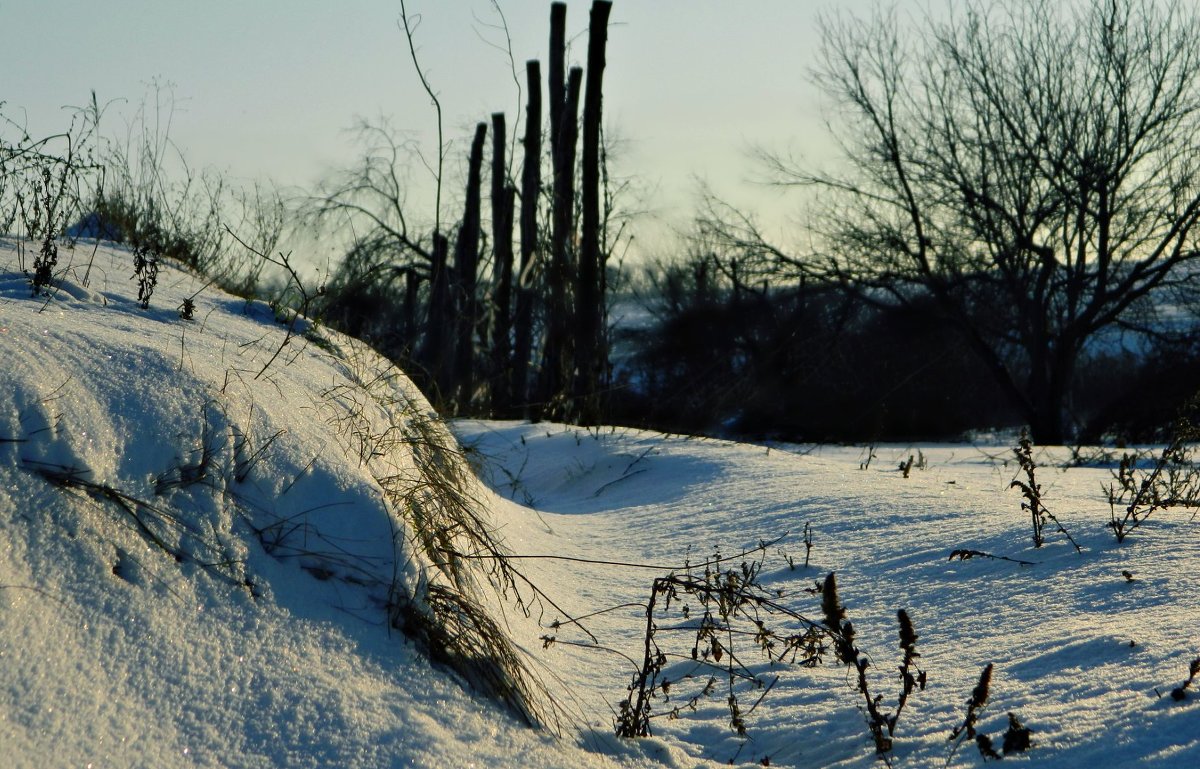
[217, 534]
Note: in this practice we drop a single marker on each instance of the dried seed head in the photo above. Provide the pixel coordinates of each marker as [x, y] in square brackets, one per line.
[1017, 739]
[831, 605]
[985, 747]
[980, 695]
[908, 636]
[835, 615]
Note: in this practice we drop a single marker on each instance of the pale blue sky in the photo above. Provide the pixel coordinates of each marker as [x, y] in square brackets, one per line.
[268, 87]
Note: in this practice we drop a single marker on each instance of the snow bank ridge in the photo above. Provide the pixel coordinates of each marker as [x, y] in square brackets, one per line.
[212, 450]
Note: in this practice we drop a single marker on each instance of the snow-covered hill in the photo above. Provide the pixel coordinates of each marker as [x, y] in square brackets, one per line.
[207, 541]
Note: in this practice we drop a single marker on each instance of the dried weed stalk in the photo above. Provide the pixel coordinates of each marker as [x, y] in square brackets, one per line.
[1017, 738]
[157, 525]
[1180, 693]
[1032, 491]
[967, 554]
[912, 677]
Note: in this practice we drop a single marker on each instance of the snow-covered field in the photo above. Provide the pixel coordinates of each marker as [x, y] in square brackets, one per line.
[129, 437]
[1081, 653]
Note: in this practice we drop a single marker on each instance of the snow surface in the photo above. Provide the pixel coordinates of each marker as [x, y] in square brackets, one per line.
[1080, 652]
[269, 645]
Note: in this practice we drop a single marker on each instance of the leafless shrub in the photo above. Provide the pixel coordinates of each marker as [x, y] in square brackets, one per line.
[722, 608]
[42, 184]
[1171, 481]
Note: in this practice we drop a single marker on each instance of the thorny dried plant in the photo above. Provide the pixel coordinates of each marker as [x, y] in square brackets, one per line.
[724, 612]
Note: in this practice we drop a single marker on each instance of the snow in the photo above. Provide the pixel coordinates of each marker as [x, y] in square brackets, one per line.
[268, 643]
[1079, 650]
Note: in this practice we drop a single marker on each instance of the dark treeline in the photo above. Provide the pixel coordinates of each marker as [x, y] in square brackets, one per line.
[987, 261]
[721, 350]
[1009, 238]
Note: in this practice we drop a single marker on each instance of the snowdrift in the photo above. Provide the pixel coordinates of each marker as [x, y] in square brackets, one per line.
[230, 539]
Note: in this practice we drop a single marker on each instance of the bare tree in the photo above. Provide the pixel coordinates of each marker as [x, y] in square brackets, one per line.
[370, 200]
[367, 206]
[1031, 166]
